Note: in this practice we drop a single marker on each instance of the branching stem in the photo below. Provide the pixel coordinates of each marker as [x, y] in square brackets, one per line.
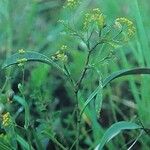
[83, 72]
[77, 88]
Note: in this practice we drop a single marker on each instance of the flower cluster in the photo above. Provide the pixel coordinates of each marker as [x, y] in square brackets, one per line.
[60, 55]
[130, 28]
[72, 3]
[21, 62]
[6, 120]
[63, 48]
[95, 16]
[21, 51]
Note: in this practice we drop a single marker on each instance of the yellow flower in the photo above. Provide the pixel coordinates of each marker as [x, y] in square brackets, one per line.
[63, 48]
[129, 26]
[21, 51]
[60, 55]
[117, 25]
[6, 120]
[95, 16]
[21, 61]
[72, 3]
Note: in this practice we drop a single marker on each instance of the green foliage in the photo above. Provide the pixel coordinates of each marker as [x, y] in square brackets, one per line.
[60, 95]
[23, 143]
[124, 73]
[21, 57]
[26, 108]
[114, 130]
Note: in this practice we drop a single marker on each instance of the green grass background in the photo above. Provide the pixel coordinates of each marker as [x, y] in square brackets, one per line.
[33, 25]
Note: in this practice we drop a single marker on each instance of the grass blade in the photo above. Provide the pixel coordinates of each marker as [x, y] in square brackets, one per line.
[114, 130]
[23, 143]
[4, 147]
[125, 72]
[110, 78]
[90, 98]
[29, 56]
[26, 108]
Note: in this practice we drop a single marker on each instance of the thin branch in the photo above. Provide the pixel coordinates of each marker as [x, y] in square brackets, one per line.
[135, 140]
[75, 33]
[88, 40]
[83, 72]
[69, 76]
[55, 141]
[98, 43]
[5, 84]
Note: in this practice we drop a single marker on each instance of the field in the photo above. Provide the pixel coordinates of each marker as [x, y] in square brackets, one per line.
[74, 75]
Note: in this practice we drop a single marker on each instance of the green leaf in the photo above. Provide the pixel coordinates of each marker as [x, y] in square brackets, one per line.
[23, 143]
[29, 56]
[3, 146]
[90, 98]
[83, 105]
[39, 76]
[110, 78]
[125, 72]
[38, 142]
[99, 100]
[26, 108]
[114, 130]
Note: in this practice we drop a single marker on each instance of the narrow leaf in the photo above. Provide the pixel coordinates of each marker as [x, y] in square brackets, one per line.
[110, 78]
[125, 72]
[4, 147]
[99, 99]
[90, 98]
[82, 105]
[23, 143]
[26, 108]
[38, 143]
[29, 56]
[114, 130]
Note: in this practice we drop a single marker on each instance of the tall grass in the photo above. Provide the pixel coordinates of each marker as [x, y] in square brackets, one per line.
[33, 25]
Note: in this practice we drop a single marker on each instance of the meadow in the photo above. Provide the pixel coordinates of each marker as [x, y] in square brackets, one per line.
[74, 75]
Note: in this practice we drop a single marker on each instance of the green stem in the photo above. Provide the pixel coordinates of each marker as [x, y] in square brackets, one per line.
[78, 123]
[56, 141]
[5, 84]
[77, 87]
[9, 37]
[37, 141]
[59, 144]
[83, 72]
[29, 139]
[69, 76]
